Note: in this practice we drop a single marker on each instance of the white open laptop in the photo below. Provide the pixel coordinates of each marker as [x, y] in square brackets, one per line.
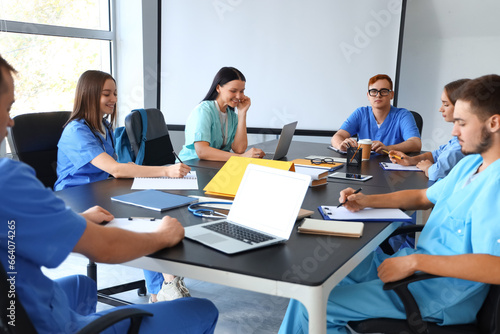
[283, 143]
[265, 208]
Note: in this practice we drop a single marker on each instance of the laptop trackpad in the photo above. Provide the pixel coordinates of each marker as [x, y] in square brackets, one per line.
[210, 238]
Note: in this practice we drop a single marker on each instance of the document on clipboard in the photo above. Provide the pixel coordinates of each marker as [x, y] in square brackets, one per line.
[365, 215]
[396, 167]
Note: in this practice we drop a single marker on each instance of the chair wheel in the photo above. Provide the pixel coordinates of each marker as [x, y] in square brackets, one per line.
[141, 291]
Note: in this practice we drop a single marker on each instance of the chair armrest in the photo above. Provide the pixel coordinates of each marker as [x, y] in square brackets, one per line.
[413, 315]
[386, 247]
[112, 318]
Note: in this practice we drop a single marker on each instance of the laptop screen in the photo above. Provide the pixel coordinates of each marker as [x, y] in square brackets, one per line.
[269, 199]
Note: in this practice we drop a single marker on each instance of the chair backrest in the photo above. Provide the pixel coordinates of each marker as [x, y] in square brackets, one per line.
[13, 317]
[34, 138]
[419, 120]
[488, 317]
[159, 150]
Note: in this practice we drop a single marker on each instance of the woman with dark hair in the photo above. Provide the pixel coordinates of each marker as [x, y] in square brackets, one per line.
[86, 148]
[86, 154]
[214, 128]
[438, 163]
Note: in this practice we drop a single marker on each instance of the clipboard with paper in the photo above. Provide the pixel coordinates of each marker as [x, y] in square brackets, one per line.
[227, 180]
[365, 215]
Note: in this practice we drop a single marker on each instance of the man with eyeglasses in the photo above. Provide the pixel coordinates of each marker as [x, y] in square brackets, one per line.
[388, 127]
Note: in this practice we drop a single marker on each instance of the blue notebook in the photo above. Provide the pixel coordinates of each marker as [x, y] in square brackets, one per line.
[154, 200]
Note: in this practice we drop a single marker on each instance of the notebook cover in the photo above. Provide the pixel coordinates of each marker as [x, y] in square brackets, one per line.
[154, 200]
[227, 180]
[337, 228]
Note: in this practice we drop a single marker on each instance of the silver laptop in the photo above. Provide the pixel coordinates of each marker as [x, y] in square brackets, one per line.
[265, 208]
[283, 143]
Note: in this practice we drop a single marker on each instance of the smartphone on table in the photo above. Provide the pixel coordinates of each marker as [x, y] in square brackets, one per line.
[350, 176]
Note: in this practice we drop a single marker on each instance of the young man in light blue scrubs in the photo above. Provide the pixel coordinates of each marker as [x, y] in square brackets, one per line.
[40, 230]
[388, 127]
[461, 239]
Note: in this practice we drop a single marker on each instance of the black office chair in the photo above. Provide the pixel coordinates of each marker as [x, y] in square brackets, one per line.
[488, 317]
[34, 139]
[419, 120]
[158, 149]
[23, 323]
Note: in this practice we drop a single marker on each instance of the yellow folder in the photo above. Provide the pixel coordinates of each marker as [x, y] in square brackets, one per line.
[226, 182]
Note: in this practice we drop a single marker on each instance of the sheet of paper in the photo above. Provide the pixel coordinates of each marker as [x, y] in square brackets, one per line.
[218, 205]
[367, 214]
[189, 182]
[136, 224]
[393, 166]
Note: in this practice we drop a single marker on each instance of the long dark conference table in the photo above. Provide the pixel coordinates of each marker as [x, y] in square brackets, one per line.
[306, 267]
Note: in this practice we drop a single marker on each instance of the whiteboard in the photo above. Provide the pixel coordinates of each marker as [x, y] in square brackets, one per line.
[308, 61]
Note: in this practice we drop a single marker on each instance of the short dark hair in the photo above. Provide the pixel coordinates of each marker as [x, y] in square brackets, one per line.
[225, 75]
[9, 68]
[483, 94]
[451, 89]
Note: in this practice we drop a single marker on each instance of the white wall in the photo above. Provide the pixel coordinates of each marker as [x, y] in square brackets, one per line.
[305, 61]
[129, 66]
[445, 40]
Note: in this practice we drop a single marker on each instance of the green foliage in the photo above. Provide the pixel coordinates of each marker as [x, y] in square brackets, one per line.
[49, 67]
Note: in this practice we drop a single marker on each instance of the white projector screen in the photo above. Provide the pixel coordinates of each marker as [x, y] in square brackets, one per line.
[308, 61]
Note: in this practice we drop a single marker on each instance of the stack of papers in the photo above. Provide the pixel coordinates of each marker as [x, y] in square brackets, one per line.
[318, 175]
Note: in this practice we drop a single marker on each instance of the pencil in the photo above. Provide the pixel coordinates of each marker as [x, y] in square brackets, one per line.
[395, 156]
[177, 157]
[354, 155]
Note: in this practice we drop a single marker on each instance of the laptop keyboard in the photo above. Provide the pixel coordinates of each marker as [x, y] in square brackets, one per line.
[238, 232]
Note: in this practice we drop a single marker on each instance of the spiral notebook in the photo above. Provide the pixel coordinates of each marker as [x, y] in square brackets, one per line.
[188, 182]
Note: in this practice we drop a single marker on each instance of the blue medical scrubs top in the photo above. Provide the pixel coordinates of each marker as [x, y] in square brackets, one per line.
[78, 146]
[463, 220]
[46, 231]
[398, 126]
[204, 125]
[445, 158]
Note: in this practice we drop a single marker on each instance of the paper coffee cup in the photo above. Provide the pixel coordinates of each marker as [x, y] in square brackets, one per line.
[366, 145]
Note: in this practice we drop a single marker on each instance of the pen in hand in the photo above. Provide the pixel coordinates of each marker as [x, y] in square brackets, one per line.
[177, 157]
[357, 191]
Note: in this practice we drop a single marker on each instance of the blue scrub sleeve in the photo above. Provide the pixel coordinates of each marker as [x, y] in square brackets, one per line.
[352, 123]
[444, 164]
[434, 191]
[79, 144]
[408, 126]
[38, 215]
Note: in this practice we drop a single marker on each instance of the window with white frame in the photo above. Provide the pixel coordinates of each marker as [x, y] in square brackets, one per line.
[51, 43]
